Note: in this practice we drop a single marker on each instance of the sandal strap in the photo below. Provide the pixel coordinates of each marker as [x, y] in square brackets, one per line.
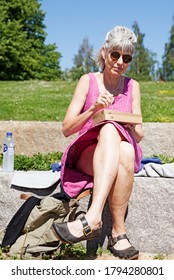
[122, 236]
[86, 228]
[114, 240]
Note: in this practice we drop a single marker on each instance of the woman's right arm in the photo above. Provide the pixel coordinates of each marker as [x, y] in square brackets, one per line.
[74, 120]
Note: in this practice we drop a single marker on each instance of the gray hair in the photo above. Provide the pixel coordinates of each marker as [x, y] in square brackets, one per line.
[119, 38]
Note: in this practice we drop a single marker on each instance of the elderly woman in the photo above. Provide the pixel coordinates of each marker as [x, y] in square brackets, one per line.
[106, 155]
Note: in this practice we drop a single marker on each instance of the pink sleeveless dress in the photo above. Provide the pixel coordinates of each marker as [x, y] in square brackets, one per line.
[74, 181]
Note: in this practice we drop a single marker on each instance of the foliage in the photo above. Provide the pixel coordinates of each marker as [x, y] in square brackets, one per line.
[159, 257]
[164, 158]
[37, 161]
[168, 58]
[142, 65]
[76, 72]
[84, 61]
[44, 162]
[64, 252]
[23, 54]
[71, 252]
[1, 157]
[74, 252]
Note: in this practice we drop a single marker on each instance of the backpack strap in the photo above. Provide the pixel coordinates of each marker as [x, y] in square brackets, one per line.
[81, 195]
[16, 224]
[25, 196]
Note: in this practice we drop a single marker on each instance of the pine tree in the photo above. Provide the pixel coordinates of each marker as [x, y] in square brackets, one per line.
[142, 65]
[168, 58]
[23, 53]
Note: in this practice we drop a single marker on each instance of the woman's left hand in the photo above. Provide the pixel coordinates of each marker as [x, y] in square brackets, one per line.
[135, 130]
[130, 127]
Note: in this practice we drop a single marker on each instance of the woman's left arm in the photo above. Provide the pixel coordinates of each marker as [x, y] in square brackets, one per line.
[136, 130]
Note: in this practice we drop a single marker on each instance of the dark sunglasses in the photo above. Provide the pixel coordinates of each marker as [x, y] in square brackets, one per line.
[116, 55]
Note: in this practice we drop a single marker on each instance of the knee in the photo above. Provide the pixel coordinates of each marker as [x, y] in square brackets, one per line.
[108, 131]
[127, 156]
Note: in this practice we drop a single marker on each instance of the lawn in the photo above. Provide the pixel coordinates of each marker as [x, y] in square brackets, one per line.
[48, 101]
[35, 100]
[157, 101]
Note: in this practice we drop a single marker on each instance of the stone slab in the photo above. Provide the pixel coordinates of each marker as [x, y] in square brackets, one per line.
[44, 137]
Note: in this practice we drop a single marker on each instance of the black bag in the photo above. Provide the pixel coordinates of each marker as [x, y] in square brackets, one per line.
[16, 224]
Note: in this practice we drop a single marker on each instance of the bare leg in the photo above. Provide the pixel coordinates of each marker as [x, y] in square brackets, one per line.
[105, 168]
[121, 191]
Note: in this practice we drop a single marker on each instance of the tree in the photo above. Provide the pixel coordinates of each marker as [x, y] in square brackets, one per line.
[23, 53]
[168, 57]
[143, 63]
[84, 61]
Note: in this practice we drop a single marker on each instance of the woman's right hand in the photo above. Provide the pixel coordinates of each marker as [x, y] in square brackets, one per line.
[104, 100]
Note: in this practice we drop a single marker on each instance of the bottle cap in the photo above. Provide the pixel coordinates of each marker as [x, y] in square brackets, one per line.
[9, 134]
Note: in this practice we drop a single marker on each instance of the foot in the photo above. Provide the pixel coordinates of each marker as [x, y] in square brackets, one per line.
[63, 232]
[121, 247]
[76, 227]
[122, 244]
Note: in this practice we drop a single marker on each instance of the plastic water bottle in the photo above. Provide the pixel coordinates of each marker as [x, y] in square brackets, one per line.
[8, 153]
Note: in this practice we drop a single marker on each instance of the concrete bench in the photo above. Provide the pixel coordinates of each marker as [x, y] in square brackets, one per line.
[150, 222]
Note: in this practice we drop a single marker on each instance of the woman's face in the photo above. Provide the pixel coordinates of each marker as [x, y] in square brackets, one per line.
[116, 61]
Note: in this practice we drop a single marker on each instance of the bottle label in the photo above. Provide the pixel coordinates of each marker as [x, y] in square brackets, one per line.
[5, 148]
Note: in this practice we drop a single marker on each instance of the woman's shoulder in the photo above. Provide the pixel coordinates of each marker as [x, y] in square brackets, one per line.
[131, 80]
[84, 79]
[135, 83]
[89, 76]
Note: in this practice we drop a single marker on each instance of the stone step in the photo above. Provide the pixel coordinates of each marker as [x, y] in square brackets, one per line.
[44, 137]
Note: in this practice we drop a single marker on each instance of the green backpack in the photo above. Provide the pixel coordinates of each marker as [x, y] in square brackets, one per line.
[37, 235]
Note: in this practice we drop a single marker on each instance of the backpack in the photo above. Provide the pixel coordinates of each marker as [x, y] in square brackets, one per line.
[36, 235]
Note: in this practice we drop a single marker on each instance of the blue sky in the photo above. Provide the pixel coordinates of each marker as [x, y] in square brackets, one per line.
[68, 22]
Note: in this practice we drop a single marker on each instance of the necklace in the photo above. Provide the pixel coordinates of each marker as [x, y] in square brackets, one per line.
[115, 90]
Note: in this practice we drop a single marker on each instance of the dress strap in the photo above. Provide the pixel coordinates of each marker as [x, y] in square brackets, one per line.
[93, 90]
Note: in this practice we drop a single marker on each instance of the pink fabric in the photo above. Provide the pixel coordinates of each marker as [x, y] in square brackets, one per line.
[74, 181]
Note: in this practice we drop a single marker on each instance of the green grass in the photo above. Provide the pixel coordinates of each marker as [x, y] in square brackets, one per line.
[48, 101]
[64, 252]
[35, 100]
[157, 101]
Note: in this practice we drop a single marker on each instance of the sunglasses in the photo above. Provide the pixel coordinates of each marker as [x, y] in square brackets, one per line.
[116, 55]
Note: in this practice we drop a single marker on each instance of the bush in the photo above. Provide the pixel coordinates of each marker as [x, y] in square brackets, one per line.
[36, 162]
